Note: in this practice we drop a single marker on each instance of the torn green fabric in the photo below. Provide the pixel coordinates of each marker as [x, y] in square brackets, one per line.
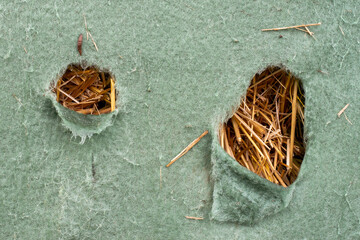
[181, 66]
[242, 196]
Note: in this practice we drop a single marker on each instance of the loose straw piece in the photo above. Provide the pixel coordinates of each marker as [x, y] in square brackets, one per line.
[242, 122]
[310, 33]
[69, 96]
[194, 218]
[306, 31]
[86, 28]
[183, 152]
[17, 99]
[298, 26]
[251, 140]
[343, 110]
[347, 119]
[112, 95]
[342, 32]
[236, 130]
[266, 78]
[293, 121]
[93, 41]
[89, 34]
[57, 91]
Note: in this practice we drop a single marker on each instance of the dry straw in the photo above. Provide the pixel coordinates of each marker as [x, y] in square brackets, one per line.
[185, 150]
[265, 134]
[302, 27]
[86, 91]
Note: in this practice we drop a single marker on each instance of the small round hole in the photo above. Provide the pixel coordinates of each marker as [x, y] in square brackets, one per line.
[85, 98]
[86, 90]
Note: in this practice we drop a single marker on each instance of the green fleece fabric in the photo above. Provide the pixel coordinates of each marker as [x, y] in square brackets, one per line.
[181, 67]
[242, 196]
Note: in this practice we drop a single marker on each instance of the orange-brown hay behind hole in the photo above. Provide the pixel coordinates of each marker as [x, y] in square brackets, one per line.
[265, 124]
[86, 90]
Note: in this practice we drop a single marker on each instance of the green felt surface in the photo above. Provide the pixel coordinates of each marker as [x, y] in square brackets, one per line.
[242, 196]
[81, 125]
[180, 66]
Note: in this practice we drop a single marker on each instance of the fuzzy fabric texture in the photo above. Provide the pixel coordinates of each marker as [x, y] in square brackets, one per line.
[242, 196]
[181, 67]
[82, 125]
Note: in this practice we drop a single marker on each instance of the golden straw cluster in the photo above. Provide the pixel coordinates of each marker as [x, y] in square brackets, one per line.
[265, 134]
[86, 91]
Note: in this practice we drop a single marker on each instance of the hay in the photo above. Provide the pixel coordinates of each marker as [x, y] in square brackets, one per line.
[86, 91]
[265, 134]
